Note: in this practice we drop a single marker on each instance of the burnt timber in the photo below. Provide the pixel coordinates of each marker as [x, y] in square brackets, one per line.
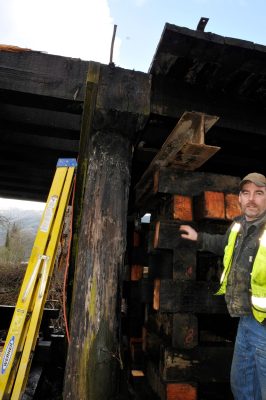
[42, 99]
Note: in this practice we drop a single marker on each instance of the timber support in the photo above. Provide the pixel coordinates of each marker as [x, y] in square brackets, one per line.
[120, 103]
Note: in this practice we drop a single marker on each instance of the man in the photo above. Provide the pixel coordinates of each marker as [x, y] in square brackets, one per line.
[244, 284]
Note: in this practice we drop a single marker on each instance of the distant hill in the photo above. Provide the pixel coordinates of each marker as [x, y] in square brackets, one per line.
[27, 220]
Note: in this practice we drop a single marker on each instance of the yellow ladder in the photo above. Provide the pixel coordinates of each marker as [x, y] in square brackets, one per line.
[23, 332]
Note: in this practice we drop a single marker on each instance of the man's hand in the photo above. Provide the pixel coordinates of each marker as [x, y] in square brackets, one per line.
[187, 232]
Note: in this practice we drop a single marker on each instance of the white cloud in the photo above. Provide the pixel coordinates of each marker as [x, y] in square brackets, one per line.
[81, 29]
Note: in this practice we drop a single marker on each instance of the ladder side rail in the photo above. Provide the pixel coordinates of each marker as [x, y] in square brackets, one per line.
[42, 291]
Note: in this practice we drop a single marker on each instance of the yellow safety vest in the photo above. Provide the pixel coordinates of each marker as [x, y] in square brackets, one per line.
[258, 274]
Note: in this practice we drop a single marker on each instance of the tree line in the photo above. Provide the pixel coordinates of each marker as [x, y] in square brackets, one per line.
[17, 244]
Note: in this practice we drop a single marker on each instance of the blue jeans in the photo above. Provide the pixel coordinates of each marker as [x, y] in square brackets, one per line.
[248, 372]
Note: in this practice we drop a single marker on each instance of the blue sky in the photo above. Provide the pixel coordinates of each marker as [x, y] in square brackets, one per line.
[83, 28]
[140, 23]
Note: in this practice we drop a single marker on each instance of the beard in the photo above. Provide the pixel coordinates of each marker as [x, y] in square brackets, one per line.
[252, 210]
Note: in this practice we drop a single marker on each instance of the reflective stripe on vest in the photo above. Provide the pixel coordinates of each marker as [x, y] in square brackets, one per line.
[258, 274]
[228, 256]
[258, 281]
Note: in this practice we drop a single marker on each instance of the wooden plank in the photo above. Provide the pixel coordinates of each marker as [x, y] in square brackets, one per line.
[41, 117]
[126, 91]
[210, 205]
[200, 364]
[38, 142]
[185, 261]
[43, 74]
[175, 329]
[185, 331]
[190, 297]
[167, 235]
[173, 181]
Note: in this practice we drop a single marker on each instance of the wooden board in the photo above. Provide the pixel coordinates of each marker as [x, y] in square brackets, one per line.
[175, 329]
[172, 180]
[190, 296]
[167, 235]
[200, 364]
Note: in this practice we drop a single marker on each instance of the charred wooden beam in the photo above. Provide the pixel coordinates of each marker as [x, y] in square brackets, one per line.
[31, 116]
[185, 261]
[188, 183]
[190, 297]
[34, 140]
[166, 235]
[170, 180]
[200, 364]
[43, 74]
[176, 330]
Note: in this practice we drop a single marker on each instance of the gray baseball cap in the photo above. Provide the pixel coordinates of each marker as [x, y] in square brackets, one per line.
[254, 177]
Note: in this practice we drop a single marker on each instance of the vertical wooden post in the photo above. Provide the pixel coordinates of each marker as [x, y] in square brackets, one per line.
[94, 352]
[120, 107]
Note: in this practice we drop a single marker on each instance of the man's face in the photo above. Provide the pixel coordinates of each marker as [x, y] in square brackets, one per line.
[252, 199]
